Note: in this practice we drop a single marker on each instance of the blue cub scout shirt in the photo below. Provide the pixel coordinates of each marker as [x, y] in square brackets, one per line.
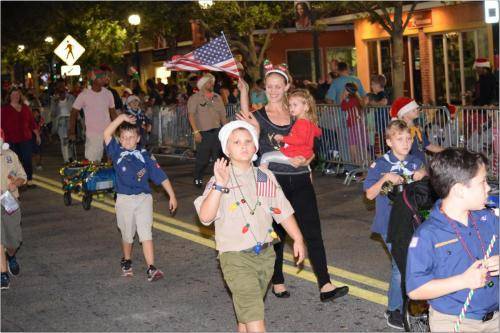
[383, 165]
[133, 169]
[435, 252]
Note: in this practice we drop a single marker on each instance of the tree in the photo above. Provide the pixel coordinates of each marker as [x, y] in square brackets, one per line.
[389, 14]
[239, 20]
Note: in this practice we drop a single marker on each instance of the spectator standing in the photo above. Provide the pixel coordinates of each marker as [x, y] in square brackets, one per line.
[60, 109]
[99, 108]
[19, 126]
[352, 105]
[485, 90]
[154, 102]
[206, 113]
[377, 116]
[334, 94]
[257, 95]
[135, 86]
[170, 91]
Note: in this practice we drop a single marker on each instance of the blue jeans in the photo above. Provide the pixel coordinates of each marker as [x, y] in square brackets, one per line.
[394, 294]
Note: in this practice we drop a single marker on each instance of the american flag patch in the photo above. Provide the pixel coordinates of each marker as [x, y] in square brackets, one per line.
[265, 187]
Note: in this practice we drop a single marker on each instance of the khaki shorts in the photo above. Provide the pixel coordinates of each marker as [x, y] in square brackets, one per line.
[94, 147]
[11, 229]
[441, 322]
[134, 213]
[247, 275]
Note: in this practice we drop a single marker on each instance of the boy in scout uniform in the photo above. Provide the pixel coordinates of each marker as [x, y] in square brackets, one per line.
[13, 176]
[446, 256]
[242, 201]
[206, 113]
[134, 167]
[392, 167]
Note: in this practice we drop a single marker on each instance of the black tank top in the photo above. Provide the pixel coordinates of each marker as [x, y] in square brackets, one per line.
[267, 131]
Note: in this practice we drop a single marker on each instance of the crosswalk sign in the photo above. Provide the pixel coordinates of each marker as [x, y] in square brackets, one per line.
[69, 50]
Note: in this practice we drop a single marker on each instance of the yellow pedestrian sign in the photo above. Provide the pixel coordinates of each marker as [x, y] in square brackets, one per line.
[69, 50]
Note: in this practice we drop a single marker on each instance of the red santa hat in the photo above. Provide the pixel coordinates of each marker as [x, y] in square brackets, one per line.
[402, 106]
[481, 63]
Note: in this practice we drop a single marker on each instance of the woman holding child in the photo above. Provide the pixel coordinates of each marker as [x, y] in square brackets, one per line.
[295, 180]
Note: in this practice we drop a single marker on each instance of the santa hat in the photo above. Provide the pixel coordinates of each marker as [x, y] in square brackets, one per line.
[204, 79]
[402, 106]
[481, 63]
[227, 129]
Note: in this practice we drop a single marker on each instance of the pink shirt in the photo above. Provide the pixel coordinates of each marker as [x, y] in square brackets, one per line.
[96, 107]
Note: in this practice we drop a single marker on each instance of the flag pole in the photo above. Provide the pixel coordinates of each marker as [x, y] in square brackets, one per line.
[225, 40]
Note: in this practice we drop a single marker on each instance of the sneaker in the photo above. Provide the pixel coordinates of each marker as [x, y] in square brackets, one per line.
[198, 182]
[394, 319]
[126, 267]
[13, 265]
[5, 280]
[154, 273]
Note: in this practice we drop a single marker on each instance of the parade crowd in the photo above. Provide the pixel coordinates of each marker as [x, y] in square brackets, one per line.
[261, 187]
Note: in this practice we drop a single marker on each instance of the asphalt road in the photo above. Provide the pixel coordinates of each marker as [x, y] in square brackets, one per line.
[70, 275]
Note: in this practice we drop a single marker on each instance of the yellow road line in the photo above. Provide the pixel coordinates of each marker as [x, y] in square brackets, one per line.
[108, 206]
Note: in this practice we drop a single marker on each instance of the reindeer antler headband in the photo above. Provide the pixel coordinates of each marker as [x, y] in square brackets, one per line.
[280, 69]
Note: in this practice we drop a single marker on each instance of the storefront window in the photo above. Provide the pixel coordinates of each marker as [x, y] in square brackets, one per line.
[301, 64]
[469, 52]
[453, 48]
[372, 58]
[342, 54]
[454, 85]
[439, 76]
[386, 55]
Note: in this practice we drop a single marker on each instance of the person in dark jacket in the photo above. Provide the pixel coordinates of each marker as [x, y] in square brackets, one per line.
[485, 89]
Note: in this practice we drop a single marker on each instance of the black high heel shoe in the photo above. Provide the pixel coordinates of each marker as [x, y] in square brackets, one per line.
[283, 294]
[333, 294]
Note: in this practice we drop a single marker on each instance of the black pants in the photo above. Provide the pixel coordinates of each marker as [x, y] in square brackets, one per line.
[299, 191]
[24, 152]
[209, 146]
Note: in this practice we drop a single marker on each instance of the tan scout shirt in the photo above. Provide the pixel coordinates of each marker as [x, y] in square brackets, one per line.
[10, 166]
[208, 113]
[232, 218]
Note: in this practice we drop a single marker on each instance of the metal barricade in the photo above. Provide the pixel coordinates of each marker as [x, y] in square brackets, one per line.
[477, 129]
[174, 133]
[231, 111]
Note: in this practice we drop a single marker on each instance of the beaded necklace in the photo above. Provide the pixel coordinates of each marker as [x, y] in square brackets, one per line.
[462, 241]
[247, 226]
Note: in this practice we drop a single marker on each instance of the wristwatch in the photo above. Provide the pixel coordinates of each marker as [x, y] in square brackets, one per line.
[220, 188]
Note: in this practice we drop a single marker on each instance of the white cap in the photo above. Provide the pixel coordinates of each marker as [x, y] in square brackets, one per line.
[227, 129]
[204, 79]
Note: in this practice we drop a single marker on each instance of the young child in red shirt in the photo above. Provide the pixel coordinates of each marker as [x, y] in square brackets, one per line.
[300, 140]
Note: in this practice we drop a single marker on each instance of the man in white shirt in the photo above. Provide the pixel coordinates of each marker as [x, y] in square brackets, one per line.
[99, 108]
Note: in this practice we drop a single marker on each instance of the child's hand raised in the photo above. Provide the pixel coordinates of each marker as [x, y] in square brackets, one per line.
[299, 251]
[128, 118]
[221, 172]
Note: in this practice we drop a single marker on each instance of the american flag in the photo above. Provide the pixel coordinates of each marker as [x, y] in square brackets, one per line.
[214, 56]
[265, 187]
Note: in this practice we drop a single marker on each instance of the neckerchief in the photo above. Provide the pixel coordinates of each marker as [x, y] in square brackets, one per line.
[134, 152]
[415, 130]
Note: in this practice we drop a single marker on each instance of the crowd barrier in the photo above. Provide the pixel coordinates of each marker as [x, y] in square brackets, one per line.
[353, 139]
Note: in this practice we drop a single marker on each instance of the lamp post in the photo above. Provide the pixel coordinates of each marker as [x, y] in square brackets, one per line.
[135, 20]
[49, 40]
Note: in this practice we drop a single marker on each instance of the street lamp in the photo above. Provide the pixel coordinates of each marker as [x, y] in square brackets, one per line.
[49, 40]
[135, 20]
[20, 48]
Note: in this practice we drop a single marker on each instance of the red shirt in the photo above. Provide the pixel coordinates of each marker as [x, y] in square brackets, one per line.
[300, 141]
[17, 126]
[351, 106]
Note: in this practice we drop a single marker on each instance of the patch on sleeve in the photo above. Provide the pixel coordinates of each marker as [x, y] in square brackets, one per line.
[414, 242]
[373, 165]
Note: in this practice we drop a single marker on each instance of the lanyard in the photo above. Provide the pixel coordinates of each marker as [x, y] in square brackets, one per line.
[459, 236]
